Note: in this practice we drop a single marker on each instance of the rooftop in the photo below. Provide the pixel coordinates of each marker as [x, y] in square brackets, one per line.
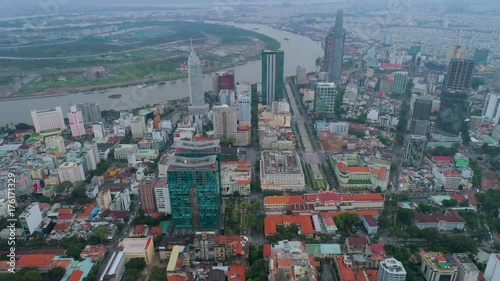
[276, 162]
[136, 244]
[393, 265]
[182, 163]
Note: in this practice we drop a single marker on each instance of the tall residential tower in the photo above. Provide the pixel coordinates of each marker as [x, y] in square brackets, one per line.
[272, 75]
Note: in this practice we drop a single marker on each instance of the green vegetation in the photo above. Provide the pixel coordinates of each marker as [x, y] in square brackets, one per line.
[243, 216]
[133, 269]
[359, 182]
[490, 205]
[129, 55]
[347, 220]
[443, 151]
[157, 274]
[477, 178]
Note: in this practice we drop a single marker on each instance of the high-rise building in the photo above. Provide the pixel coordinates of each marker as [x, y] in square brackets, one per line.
[459, 75]
[324, 99]
[414, 150]
[225, 121]
[334, 49]
[56, 141]
[76, 122]
[223, 80]
[421, 111]
[466, 269]
[272, 75]
[195, 197]
[90, 112]
[147, 194]
[492, 107]
[48, 119]
[399, 83]
[162, 197]
[245, 107]
[453, 112]
[226, 97]
[391, 270]
[388, 36]
[138, 127]
[31, 218]
[481, 56]
[103, 199]
[301, 78]
[435, 267]
[196, 94]
[70, 171]
[98, 130]
[492, 271]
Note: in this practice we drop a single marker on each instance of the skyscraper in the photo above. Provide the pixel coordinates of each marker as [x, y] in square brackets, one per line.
[272, 75]
[196, 94]
[225, 121]
[76, 122]
[481, 56]
[245, 107]
[455, 96]
[334, 49]
[420, 117]
[399, 83]
[453, 111]
[48, 119]
[301, 78]
[90, 112]
[459, 75]
[147, 194]
[195, 196]
[414, 150]
[223, 80]
[324, 99]
[492, 107]
[391, 270]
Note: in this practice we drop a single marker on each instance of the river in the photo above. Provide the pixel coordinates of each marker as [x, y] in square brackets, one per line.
[299, 50]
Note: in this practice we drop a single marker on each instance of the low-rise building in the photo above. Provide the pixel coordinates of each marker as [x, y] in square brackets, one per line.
[435, 267]
[449, 177]
[115, 267]
[103, 199]
[147, 154]
[466, 269]
[352, 174]
[370, 224]
[281, 170]
[357, 245]
[31, 218]
[235, 177]
[122, 151]
[138, 248]
[442, 222]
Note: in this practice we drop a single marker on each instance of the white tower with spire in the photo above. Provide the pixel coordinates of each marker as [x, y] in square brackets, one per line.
[196, 94]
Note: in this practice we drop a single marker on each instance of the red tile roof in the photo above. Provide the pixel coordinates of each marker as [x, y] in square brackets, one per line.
[443, 159]
[236, 272]
[472, 199]
[450, 216]
[360, 213]
[75, 275]
[328, 196]
[65, 211]
[358, 241]
[267, 250]
[370, 220]
[271, 200]
[61, 263]
[347, 273]
[176, 278]
[139, 229]
[304, 222]
[155, 230]
[377, 249]
[61, 226]
[35, 260]
[458, 197]
[368, 197]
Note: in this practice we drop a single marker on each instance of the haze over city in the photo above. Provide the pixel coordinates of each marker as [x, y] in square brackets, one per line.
[260, 140]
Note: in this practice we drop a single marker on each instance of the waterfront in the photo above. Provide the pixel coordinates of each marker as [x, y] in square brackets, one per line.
[299, 50]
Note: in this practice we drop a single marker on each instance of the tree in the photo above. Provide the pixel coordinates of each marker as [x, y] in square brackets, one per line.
[74, 251]
[157, 274]
[450, 202]
[55, 274]
[101, 233]
[60, 188]
[29, 274]
[26, 137]
[378, 189]
[23, 126]
[136, 263]
[404, 216]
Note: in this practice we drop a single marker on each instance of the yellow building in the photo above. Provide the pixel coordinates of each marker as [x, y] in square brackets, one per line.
[138, 248]
[104, 199]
